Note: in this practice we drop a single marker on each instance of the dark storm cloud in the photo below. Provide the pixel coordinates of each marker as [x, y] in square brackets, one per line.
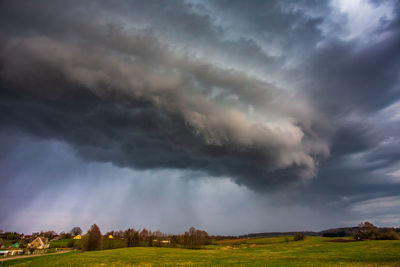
[259, 91]
[264, 93]
[119, 95]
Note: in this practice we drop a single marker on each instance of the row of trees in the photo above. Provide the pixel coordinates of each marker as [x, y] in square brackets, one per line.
[11, 236]
[144, 238]
[195, 238]
[93, 239]
[48, 234]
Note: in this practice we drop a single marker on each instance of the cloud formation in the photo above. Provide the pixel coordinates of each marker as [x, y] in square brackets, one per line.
[119, 95]
[265, 93]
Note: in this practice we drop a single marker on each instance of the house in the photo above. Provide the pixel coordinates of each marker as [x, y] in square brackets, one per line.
[78, 237]
[56, 237]
[39, 243]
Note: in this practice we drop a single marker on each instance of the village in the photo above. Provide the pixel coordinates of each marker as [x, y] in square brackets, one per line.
[13, 244]
[31, 245]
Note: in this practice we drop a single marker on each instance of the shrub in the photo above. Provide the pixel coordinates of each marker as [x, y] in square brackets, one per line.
[299, 236]
[71, 243]
[389, 235]
[65, 235]
[113, 243]
[287, 239]
[84, 244]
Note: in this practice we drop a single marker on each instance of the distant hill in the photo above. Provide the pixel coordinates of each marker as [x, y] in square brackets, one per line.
[339, 232]
[270, 234]
[333, 232]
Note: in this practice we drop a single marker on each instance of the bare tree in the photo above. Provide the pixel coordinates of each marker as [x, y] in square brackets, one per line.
[195, 238]
[76, 231]
[130, 237]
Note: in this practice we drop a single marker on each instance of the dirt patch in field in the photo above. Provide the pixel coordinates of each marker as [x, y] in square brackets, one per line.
[342, 240]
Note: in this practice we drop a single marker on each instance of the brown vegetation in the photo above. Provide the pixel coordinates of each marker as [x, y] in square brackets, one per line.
[369, 231]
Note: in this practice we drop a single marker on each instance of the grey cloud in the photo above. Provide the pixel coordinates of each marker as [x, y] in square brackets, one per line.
[266, 93]
[355, 82]
[81, 193]
[193, 128]
[361, 77]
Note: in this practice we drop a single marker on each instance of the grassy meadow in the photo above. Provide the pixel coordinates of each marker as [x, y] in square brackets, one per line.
[62, 243]
[273, 251]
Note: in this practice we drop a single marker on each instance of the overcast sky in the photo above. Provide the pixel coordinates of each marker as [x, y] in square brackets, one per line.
[229, 116]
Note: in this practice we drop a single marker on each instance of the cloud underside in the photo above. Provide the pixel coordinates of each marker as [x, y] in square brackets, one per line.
[263, 107]
[123, 97]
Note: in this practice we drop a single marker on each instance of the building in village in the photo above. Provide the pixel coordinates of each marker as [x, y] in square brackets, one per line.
[39, 243]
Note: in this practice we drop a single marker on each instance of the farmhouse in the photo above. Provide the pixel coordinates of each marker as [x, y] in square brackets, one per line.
[39, 243]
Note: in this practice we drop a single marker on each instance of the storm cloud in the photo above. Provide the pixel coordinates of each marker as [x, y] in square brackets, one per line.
[119, 95]
[296, 100]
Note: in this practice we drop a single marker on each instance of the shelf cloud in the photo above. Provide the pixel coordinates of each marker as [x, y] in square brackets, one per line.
[296, 99]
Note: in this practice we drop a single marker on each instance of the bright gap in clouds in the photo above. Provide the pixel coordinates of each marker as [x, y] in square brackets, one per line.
[363, 17]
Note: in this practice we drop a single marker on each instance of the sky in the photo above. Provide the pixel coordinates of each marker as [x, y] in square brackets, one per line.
[231, 116]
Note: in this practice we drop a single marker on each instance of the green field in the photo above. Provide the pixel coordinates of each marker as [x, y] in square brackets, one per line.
[62, 243]
[313, 251]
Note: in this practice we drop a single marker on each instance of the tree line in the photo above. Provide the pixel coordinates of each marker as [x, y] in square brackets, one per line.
[94, 240]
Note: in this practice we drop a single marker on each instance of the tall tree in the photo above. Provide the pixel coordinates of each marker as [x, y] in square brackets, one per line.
[366, 230]
[94, 240]
[129, 236]
[144, 235]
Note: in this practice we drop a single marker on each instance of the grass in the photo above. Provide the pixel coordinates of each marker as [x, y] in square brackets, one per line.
[62, 243]
[313, 251]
